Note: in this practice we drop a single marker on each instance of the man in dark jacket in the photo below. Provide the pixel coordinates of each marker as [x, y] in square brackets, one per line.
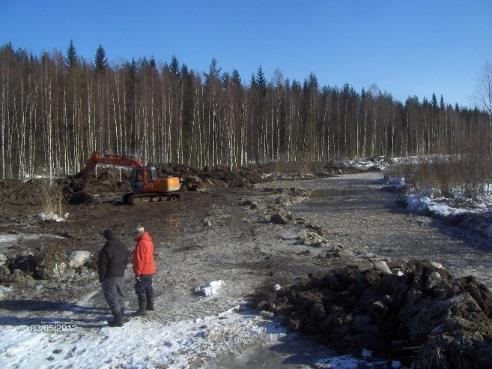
[112, 262]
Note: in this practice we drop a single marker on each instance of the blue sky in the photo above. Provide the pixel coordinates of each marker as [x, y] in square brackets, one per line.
[412, 47]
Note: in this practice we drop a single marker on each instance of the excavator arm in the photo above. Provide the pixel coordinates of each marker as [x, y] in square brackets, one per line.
[109, 159]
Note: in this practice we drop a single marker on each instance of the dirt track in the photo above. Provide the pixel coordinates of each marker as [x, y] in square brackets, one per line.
[242, 249]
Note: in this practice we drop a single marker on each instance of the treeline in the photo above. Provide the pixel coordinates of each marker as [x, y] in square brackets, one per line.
[56, 109]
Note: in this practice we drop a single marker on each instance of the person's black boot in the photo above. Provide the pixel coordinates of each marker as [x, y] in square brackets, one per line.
[123, 318]
[150, 300]
[117, 320]
[142, 305]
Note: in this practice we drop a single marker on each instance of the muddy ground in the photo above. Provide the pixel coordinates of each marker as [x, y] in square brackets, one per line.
[228, 235]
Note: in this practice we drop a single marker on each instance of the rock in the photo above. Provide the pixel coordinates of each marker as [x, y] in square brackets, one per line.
[4, 274]
[277, 287]
[310, 238]
[288, 235]
[20, 277]
[83, 271]
[267, 314]
[207, 222]
[281, 218]
[382, 267]
[435, 264]
[3, 259]
[433, 280]
[52, 262]
[252, 204]
[78, 258]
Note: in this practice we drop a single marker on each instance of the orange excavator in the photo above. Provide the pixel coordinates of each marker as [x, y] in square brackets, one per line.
[144, 181]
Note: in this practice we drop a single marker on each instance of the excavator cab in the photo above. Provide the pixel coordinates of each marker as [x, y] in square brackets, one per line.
[144, 179]
[153, 173]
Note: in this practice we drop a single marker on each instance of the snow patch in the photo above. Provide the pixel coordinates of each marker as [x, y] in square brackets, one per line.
[210, 289]
[417, 203]
[4, 290]
[46, 217]
[140, 343]
[78, 258]
[9, 239]
[346, 362]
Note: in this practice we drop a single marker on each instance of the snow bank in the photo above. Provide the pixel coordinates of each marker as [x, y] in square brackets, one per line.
[366, 164]
[420, 204]
[210, 289]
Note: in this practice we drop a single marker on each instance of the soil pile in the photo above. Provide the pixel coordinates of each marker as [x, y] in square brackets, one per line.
[421, 314]
[15, 192]
[194, 179]
[107, 180]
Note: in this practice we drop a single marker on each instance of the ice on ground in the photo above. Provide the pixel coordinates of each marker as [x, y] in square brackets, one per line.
[9, 239]
[210, 289]
[347, 362]
[44, 217]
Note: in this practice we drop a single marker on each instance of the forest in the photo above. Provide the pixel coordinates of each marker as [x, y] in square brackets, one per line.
[57, 108]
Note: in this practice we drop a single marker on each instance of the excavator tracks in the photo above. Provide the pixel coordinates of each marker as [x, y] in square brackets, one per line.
[145, 198]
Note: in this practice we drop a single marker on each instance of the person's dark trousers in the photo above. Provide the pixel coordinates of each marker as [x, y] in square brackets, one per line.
[114, 293]
[145, 294]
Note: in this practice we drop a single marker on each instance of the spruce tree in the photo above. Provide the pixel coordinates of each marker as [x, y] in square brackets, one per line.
[100, 60]
[260, 78]
[174, 66]
[72, 59]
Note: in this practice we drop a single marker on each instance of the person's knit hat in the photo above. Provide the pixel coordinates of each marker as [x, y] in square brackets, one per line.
[138, 230]
[108, 234]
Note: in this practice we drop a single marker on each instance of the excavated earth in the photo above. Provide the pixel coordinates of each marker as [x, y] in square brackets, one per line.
[322, 240]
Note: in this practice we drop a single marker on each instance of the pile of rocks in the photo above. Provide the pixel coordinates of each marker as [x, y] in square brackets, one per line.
[421, 314]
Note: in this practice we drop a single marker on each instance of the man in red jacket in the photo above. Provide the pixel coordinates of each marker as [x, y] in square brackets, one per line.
[143, 268]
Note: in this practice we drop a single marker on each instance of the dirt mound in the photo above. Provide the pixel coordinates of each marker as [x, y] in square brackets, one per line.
[422, 315]
[14, 192]
[194, 179]
[107, 180]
